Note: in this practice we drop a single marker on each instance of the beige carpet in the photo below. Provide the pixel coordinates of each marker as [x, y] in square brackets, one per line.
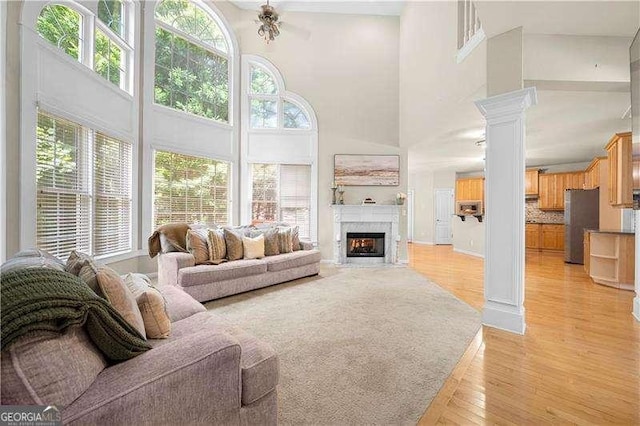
[357, 346]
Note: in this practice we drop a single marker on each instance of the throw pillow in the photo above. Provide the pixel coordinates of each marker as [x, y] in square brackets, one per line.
[270, 240]
[152, 305]
[89, 275]
[34, 258]
[285, 243]
[197, 244]
[253, 247]
[295, 238]
[76, 261]
[217, 244]
[233, 241]
[120, 297]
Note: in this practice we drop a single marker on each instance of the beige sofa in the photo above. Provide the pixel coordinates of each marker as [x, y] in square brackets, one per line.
[208, 282]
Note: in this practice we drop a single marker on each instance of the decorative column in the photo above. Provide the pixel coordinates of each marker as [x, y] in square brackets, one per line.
[504, 198]
[636, 300]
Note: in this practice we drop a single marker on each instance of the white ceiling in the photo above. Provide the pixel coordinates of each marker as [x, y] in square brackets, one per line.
[564, 127]
[357, 7]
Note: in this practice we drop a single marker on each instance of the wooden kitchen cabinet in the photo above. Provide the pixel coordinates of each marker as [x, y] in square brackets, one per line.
[470, 189]
[553, 185]
[531, 182]
[552, 237]
[532, 235]
[619, 153]
[592, 174]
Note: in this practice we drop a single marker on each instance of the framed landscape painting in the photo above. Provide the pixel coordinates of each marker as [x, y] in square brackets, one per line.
[366, 170]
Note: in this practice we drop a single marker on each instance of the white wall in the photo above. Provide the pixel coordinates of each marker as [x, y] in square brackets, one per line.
[574, 58]
[3, 135]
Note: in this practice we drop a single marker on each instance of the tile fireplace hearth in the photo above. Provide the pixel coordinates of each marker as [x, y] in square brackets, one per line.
[366, 234]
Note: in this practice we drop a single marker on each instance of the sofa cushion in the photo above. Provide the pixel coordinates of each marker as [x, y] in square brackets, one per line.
[292, 260]
[120, 297]
[50, 368]
[157, 324]
[285, 240]
[32, 258]
[207, 274]
[76, 261]
[179, 304]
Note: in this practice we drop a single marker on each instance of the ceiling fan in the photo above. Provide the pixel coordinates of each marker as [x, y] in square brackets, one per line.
[268, 19]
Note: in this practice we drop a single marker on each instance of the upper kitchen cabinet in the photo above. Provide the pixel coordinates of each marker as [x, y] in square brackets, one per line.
[531, 182]
[553, 185]
[470, 189]
[619, 153]
[592, 174]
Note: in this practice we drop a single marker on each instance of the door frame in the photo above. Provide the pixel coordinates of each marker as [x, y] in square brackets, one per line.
[435, 214]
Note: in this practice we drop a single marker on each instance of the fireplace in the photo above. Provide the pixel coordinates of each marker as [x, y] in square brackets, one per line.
[365, 244]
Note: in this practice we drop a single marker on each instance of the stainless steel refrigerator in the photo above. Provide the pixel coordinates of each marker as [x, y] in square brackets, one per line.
[581, 211]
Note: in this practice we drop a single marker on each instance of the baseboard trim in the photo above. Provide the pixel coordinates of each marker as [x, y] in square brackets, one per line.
[636, 307]
[426, 243]
[469, 253]
[327, 261]
[503, 317]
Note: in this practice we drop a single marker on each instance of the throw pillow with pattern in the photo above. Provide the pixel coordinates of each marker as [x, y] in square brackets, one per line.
[217, 245]
[285, 242]
[295, 238]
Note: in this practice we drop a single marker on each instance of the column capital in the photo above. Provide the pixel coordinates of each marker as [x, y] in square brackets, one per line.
[507, 103]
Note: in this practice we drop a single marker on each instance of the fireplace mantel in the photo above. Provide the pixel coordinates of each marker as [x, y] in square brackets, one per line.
[366, 218]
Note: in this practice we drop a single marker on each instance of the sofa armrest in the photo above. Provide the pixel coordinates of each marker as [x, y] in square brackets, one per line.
[306, 245]
[170, 263]
[194, 379]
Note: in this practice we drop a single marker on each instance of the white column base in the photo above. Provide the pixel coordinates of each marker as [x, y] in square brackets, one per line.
[503, 317]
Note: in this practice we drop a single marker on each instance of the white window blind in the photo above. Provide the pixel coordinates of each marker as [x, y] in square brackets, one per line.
[282, 193]
[112, 192]
[190, 189]
[84, 189]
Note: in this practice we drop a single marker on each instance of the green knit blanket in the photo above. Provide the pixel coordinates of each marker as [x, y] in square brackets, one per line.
[43, 299]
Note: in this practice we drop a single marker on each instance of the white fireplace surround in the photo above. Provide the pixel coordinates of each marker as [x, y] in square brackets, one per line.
[367, 218]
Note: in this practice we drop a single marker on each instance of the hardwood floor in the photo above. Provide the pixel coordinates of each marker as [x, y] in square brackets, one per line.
[578, 363]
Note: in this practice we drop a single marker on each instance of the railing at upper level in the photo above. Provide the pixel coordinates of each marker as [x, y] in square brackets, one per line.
[470, 33]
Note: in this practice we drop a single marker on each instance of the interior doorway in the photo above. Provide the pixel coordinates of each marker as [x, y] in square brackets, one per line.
[444, 214]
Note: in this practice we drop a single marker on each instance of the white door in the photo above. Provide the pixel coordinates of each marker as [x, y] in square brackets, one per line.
[444, 214]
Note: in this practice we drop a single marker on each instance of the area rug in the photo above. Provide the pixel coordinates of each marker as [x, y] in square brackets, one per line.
[357, 346]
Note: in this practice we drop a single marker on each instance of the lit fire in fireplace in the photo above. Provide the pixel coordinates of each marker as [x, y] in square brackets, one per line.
[363, 245]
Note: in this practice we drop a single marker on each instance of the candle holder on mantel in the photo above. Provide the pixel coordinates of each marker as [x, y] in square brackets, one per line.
[341, 196]
[333, 195]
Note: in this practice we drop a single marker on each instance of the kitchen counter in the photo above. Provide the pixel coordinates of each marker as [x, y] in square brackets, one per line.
[609, 231]
[533, 222]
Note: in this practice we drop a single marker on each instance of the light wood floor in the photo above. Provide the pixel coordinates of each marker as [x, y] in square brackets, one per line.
[578, 363]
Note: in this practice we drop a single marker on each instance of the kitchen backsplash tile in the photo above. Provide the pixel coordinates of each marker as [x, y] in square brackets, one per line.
[534, 214]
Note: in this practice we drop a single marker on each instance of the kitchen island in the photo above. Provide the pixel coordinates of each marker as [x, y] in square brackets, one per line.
[609, 257]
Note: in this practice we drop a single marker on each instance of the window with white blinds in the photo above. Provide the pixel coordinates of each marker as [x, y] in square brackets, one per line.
[282, 193]
[84, 189]
[190, 189]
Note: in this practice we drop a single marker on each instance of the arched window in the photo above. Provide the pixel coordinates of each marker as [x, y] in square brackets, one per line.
[279, 146]
[110, 54]
[62, 27]
[269, 107]
[192, 60]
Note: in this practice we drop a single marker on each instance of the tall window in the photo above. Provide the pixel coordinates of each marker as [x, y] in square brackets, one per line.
[84, 189]
[282, 193]
[192, 61]
[270, 109]
[111, 55]
[190, 189]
